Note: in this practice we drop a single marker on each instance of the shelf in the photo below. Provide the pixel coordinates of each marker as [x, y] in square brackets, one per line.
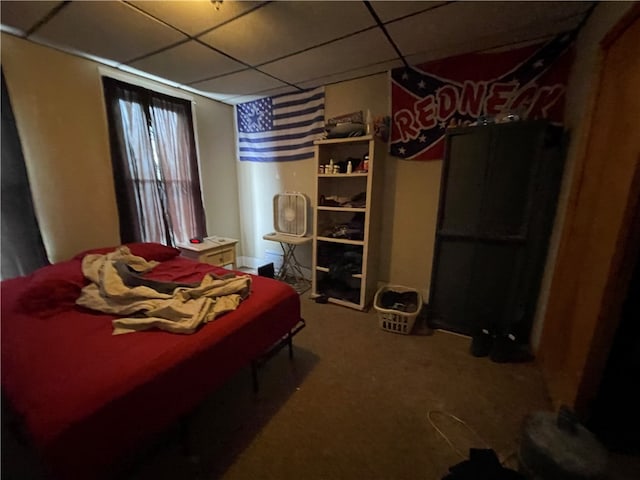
[330, 245]
[341, 240]
[325, 269]
[343, 209]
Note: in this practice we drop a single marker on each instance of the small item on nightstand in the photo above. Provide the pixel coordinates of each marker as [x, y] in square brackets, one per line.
[195, 240]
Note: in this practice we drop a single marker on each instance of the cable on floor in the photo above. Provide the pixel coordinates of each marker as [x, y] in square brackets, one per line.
[463, 423]
[446, 439]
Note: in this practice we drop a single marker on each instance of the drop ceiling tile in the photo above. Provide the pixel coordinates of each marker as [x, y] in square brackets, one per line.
[510, 39]
[388, 11]
[24, 15]
[111, 30]
[352, 74]
[195, 16]
[213, 96]
[245, 82]
[283, 28]
[357, 51]
[234, 100]
[187, 63]
[465, 22]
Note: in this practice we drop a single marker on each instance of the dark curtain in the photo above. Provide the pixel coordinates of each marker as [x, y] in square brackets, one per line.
[154, 165]
[22, 247]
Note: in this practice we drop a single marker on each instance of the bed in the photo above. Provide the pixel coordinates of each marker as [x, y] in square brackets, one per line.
[85, 396]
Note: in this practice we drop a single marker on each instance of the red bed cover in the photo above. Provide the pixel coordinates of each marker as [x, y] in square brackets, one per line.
[87, 396]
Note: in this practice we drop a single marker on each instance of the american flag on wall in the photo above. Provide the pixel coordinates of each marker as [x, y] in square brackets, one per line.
[280, 128]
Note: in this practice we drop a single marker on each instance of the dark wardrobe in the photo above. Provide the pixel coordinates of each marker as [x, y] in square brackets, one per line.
[498, 198]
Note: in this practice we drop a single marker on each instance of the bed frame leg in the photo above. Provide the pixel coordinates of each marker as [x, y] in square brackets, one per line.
[258, 362]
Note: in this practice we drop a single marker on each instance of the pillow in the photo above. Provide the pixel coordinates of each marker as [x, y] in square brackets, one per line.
[153, 251]
[147, 250]
[53, 288]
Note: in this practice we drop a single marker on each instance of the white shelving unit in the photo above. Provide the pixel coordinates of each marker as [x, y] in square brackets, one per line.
[337, 273]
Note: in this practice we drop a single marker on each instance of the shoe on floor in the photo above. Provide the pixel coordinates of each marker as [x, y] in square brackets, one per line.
[481, 343]
[507, 350]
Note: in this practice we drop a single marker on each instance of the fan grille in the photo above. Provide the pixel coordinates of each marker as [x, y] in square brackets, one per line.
[290, 214]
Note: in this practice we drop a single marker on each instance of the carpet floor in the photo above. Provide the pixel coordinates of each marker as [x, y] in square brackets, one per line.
[356, 402]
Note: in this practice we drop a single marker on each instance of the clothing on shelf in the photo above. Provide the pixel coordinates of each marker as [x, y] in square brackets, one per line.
[352, 230]
[357, 201]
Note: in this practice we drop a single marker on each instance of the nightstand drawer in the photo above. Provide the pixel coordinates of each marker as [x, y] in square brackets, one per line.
[219, 257]
[216, 251]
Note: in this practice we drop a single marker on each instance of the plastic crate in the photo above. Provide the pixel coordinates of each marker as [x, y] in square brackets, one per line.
[393, 320]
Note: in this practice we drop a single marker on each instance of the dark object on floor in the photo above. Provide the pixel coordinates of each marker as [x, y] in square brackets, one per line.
[558, 446]
[322, 299]
[400, 301]
[483, 464]
[267, 270]
[506, 349]
[482, 343]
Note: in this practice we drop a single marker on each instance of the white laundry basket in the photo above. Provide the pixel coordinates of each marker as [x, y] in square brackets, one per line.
[396, 321]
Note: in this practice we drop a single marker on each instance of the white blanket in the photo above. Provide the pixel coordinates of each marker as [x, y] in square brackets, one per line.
[181, 312]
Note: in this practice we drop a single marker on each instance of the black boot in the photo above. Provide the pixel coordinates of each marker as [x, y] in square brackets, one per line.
[507, 350]
[482, 343]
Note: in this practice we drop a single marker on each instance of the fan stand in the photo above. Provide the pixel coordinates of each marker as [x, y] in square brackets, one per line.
[291, 269]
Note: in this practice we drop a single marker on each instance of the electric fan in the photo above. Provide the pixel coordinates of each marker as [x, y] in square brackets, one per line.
[290, 213]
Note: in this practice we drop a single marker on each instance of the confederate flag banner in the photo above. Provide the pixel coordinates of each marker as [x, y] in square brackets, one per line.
[426, 99]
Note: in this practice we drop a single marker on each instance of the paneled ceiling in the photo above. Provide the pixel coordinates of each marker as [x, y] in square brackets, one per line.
[236, 51]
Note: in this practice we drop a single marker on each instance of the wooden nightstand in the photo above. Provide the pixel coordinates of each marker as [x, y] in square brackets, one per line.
[217, 251]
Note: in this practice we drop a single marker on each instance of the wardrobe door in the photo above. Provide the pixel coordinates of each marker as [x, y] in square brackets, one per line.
[508, 185]
[450, 283]
[463, 188]
[484, 233]
[457, 227]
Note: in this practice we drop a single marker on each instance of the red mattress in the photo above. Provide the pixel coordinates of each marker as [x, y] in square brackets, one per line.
[86, 396]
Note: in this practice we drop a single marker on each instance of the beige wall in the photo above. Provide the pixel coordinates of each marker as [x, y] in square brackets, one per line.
[218, 167]
[58, 104]
[56, 100]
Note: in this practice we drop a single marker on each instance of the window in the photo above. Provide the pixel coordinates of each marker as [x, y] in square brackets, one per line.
[154, 165]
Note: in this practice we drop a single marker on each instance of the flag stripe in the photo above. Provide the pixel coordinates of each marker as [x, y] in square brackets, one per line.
[278, 148]
[302, 101]
[318, 104]
[278, 158]
[289, 136]
[304, 121]
[294, 97]
[306, 111]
